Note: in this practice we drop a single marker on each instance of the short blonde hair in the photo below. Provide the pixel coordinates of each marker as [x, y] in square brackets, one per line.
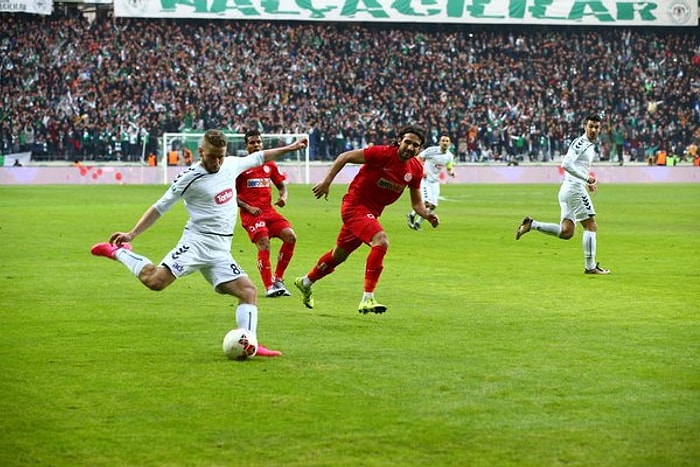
[214, 138]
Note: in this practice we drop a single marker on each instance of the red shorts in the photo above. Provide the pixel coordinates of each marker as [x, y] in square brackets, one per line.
[359, 226]
[268, 224]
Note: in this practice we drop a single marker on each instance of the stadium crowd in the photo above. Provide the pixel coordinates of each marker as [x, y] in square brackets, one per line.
[108, 88]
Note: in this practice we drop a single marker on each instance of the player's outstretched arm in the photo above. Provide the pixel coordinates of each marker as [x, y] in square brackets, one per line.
[147, 219]
[356, 156]
[272, 154]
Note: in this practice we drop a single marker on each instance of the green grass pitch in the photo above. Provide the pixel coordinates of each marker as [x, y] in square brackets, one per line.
[492, 353]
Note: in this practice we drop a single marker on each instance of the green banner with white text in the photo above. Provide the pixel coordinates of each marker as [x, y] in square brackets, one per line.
[554, 12]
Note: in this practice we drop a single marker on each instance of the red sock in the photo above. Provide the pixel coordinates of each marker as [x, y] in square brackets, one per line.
[283, 259]
[264, 268]
[325, 265]
[374, 267]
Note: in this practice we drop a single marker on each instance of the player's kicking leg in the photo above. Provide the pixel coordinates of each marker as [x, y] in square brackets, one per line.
[108, 250]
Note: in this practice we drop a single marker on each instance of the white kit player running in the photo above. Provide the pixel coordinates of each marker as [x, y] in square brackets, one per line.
[576, 205]
[208, 190]
[435, 159]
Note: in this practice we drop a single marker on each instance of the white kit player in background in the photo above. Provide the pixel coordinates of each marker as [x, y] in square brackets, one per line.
[435, 159]
[576, 205]
[208, 190]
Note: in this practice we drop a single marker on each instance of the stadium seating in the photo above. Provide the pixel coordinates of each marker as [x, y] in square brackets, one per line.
[107, 90]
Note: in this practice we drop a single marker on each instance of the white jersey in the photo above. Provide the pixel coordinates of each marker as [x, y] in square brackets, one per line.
[210, 198]
[435, 161]
[577, 162]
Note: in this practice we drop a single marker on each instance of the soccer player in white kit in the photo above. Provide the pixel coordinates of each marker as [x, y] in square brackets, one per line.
[208, 189]
[435, 159]
[576, 205]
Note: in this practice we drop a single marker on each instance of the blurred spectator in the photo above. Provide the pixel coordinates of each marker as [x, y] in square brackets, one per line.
[111, 88]
[691, 154]
[26, 138]
[659, 158]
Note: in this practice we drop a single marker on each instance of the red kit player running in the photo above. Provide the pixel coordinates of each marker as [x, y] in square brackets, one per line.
[386, 171]
[260, 219]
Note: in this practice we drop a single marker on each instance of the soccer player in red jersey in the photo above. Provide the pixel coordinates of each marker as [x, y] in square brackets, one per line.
[386, 171]
[260, 219]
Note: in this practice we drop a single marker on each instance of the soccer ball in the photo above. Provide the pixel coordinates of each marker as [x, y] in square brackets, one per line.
[240, 344]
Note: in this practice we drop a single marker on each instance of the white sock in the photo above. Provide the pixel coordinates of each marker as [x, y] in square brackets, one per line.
[547, 228]
[589, 247]
[247, 317]
[367, 295]
[133, 261]
[419, 219]
[306, 282]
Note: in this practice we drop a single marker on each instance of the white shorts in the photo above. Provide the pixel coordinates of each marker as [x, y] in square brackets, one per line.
[209, 254]
[575, 203]
[431, 192]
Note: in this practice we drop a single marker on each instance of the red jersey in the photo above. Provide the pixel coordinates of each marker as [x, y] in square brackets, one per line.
[382, 179]
[254, 186]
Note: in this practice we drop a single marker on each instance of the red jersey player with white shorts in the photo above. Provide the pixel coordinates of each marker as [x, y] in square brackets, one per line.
[260, 219]
[386, 171]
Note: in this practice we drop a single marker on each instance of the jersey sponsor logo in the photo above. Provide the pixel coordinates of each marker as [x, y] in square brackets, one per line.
[258, 183]
[224, 197]
[389, 185]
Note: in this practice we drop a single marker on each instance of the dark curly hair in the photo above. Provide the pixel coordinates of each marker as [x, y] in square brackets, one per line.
[413, 130]
[249, 134]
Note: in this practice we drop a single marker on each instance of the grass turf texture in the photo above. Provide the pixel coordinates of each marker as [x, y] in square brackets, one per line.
[492, 352]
